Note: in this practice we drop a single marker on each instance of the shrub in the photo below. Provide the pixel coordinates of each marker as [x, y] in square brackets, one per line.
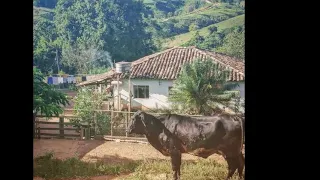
[87, 102]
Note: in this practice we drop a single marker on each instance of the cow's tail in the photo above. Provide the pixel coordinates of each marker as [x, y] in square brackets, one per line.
[240, 118]
[242, 134]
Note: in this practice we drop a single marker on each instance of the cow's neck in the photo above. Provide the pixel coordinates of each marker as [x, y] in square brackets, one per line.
[154, 127]
[153, 130]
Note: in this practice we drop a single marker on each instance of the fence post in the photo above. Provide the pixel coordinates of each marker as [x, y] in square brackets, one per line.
[127, 117]
[81, 133]
[34, 125]
[61, 126]
[38, 131]
[87, 133]
[111, 122]
[95, 123]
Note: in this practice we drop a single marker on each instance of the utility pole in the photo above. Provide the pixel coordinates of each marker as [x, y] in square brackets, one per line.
[57, 60]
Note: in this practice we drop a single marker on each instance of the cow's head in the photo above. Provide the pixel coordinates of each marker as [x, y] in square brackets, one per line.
[137, 124]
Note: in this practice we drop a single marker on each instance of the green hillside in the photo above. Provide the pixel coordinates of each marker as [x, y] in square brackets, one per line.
[129, 30]
[183, 38]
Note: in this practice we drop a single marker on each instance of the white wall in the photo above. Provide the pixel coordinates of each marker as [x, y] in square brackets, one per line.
[158, 93]
[241, 89]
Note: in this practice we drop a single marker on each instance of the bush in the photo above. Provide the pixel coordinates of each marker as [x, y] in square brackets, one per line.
[212, 29]
[86, 102]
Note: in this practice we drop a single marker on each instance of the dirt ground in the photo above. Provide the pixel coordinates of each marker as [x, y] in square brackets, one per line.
[64, 148]
[108, 151]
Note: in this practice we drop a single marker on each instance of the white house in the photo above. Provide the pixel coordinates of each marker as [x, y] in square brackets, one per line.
[152, 76]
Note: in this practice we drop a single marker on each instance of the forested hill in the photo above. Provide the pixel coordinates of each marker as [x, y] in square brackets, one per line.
[87, 36]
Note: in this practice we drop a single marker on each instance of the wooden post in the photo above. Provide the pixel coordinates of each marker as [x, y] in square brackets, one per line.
[81, 133]
[129, 108]
[38, 131]
[95, 122]
[61, 126]
[111, 122]
[34, 125]
[118, 100]
[87, 133]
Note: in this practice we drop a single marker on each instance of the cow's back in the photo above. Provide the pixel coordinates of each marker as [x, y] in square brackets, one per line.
[194, 130]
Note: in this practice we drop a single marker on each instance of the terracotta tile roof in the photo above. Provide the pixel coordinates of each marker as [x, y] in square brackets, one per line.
[98, 78]
[167, 64]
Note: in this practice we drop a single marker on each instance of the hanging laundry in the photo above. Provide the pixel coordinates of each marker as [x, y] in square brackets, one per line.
[55, 80]
[73, 79]
[50, 80]
[65, 80]
[60, 80]
[69, 79]
[84, 78]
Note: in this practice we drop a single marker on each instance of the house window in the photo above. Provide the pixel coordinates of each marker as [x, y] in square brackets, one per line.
[141, 91]
[169, 90]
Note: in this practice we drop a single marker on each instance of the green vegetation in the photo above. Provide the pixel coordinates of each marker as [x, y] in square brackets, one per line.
[81, 36]
[181, 24]
[221, 26]
[161, 169]
[86, 102]
[51, 168]
[200, 87]
[46, 100]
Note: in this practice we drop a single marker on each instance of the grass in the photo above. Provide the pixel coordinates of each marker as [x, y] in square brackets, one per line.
[206, 11]
[195, 170]
[50, 168]
[183, 38]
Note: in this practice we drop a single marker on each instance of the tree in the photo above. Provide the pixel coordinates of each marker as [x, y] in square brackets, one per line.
[201, 85]
[196, 40]
[111, 25]
[46, 100]
[212, 29]
[44, 44]
[86, 59]
[234, 44]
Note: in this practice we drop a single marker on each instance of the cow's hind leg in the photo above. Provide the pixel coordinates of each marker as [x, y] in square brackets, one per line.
[233, 164]
[176, 163]
[241, 165]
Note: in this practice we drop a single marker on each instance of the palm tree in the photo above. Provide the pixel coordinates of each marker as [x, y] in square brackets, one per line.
[202, 85]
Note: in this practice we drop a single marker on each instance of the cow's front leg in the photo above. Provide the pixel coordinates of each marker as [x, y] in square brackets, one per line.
[176, 163]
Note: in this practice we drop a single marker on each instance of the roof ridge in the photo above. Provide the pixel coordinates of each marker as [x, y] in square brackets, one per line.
[209, 53]
[146, 58]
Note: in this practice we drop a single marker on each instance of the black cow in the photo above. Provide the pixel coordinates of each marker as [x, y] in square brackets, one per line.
[174, 134]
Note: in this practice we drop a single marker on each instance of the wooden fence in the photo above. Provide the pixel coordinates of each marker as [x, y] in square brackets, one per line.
[60, 128]
[118, 124]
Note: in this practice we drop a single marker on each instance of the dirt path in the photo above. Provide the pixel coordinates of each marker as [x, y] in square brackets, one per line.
[63, 148]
